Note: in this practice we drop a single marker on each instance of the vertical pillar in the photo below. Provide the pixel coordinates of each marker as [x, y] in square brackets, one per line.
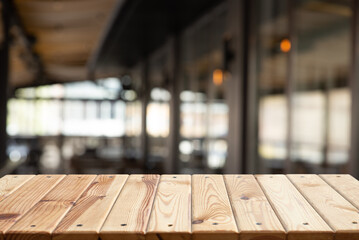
[234, 84]
[354, 86]
[172, 164]
[144, 99]
[290, 85]
[250, 162]
[4, 78]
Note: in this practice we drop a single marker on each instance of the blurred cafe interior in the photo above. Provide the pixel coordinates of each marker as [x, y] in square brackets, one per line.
[180, 86]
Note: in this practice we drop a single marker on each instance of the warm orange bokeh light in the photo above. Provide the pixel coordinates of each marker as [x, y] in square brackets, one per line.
[218, 77]
[285, 45]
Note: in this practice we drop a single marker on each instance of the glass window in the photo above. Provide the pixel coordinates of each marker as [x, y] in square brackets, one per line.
[321, 96]
[158, 109]
[67, 110]
[272, 46]
[313, 116]
[203, 97]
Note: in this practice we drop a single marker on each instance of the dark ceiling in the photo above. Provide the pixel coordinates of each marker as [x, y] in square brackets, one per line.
[141, 26]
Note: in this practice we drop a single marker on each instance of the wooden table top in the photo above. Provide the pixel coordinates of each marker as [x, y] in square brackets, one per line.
[179, 207]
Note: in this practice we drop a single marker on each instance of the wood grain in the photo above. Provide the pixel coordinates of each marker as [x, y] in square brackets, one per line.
[171, 214]
[298, 217]
[212, 216]
[24, 198]
[42, 219]
[254, 215]
[10, 183]
[342, 216]
[346, 185]
[85, 219]
[129, 216]
[179, 207]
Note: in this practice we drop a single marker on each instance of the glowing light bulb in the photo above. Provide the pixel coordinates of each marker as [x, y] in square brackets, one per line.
[285, 45]
[218, 77]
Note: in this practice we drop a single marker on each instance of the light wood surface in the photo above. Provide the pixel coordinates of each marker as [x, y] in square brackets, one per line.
[212, 215]
[298, 217]
[171, 214]
[179, 207]
[342, 216]
[86, 218]
[24, 198]
[254, 215]
[10, 183]
[43, 218]
[346, 185]
[129, 216]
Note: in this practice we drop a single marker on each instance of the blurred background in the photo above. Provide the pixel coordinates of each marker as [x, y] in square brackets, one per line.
[180, 86]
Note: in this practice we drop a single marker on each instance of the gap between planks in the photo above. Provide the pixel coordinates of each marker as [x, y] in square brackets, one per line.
[86, 217]
[254, 215]
[298, 217]
[212, 214]
[339, 214]
[130, 214]
[42, 219]
[171, 211]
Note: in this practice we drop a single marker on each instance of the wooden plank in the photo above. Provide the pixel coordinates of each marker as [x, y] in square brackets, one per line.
[129, 216]
[212, 216]
[298, 217]
[254, 215]
[346, 185]
[10, 183]
[42, 219]
[86, 218]
[24, 198]
[171, 214]
[342, 216]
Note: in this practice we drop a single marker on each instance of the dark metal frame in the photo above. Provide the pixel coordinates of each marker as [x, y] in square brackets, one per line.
[172, 165]
[249, 95]
[144, 100]
[250, 140]
[290, 83]
[4, 79]
[354, 86]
